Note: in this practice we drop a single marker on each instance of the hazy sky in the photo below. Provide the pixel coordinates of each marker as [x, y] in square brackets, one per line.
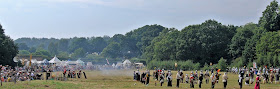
[86, 18]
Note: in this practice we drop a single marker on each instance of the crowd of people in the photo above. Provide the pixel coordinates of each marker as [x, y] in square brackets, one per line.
[36, 72]
[263, 75]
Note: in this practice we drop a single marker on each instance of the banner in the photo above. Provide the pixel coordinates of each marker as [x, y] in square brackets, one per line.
[254, 64]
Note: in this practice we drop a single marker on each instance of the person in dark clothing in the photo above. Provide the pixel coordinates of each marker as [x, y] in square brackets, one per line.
[143, 78]
[148, 77]
[200, 80]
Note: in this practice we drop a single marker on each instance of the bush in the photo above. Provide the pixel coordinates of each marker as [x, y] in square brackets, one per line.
[222, 64]
[170, 65]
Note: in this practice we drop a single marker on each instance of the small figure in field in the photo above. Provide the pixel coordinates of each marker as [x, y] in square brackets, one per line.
[143, 78]
[213, 77]
[225, 78]
[277, 76]
[182, 76]
[148, 77]
[169, 79]
[178, 77]
[271, 76]
[257, 86]
[207, 76]
[200, 80]
[247, 79]
[161, 78]
[137, 75]
[252, 73]
[187, 78]
[191, 81]
[240, 79]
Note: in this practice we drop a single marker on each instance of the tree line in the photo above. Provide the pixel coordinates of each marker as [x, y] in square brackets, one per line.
[200, 44]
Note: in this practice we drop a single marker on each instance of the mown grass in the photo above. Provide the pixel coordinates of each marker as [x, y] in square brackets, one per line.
[120, 79]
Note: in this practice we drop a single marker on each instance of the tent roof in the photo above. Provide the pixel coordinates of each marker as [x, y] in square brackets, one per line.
[126, 62]
[79, 61]
[54, 60]
[45, 61]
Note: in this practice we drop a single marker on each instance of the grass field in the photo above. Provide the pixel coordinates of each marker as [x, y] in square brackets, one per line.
[119, 79]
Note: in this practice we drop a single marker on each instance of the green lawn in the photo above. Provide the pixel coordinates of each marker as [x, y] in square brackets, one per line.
[117, 80]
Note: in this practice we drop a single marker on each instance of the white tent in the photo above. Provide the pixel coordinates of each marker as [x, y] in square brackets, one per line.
[126, 63]
[113, 65]
[89, 64]
[34, 61]
[55, 60]
[118, 65]
[80, 62]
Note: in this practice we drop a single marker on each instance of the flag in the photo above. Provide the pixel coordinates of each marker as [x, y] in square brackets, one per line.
[30, 60]
[107, 61]
[219, 70]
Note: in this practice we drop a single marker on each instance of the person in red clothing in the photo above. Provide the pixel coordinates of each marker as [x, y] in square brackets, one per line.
[191, 81]
[257, 86]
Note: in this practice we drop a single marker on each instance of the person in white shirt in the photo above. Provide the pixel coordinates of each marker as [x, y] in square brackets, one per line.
[225, 78]
[178, 77]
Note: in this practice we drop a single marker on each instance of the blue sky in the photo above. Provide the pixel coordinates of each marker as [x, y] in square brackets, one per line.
[86, 18]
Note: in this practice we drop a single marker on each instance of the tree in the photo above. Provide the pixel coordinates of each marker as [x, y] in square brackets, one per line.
[267, 47]
[112, 50]
[239, 40]
[53, 48]
[270, 19]
[222, 64]
[79, 53]
[22, 46]
[98, 44]
[8, 49]
[206, 42]
[63, 45]
[24, 52]
[79, 43]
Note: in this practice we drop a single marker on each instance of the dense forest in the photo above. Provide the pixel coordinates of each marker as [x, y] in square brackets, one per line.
[193, 47]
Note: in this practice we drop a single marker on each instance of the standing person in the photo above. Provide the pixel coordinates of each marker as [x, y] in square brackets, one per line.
[200, 80]
[257, 86]
[246, 79]
[206, 75]
[134, 75]
[143, 77]
[252, 75]
[148, 77]
[178, 77]
[169, 79]
[182, 76]
[213, 77]
[137, 75]
[225, 78]
[191, 81]
[277, 76]
[187, 78]
[240, 79]
[271, 76]
[161, 78]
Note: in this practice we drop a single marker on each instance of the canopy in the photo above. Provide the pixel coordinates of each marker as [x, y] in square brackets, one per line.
[113, 65]
[55, 60]
[80, 61]
[126, 62]
[45, 62]
[89, 64]
[34, 61]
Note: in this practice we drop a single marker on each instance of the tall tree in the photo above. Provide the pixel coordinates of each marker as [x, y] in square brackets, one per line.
[53, 48]
[63, 45]
[238, 41]
[270, 19]
[8, 49]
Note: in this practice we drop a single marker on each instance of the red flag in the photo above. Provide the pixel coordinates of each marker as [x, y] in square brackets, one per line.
[107, 61]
